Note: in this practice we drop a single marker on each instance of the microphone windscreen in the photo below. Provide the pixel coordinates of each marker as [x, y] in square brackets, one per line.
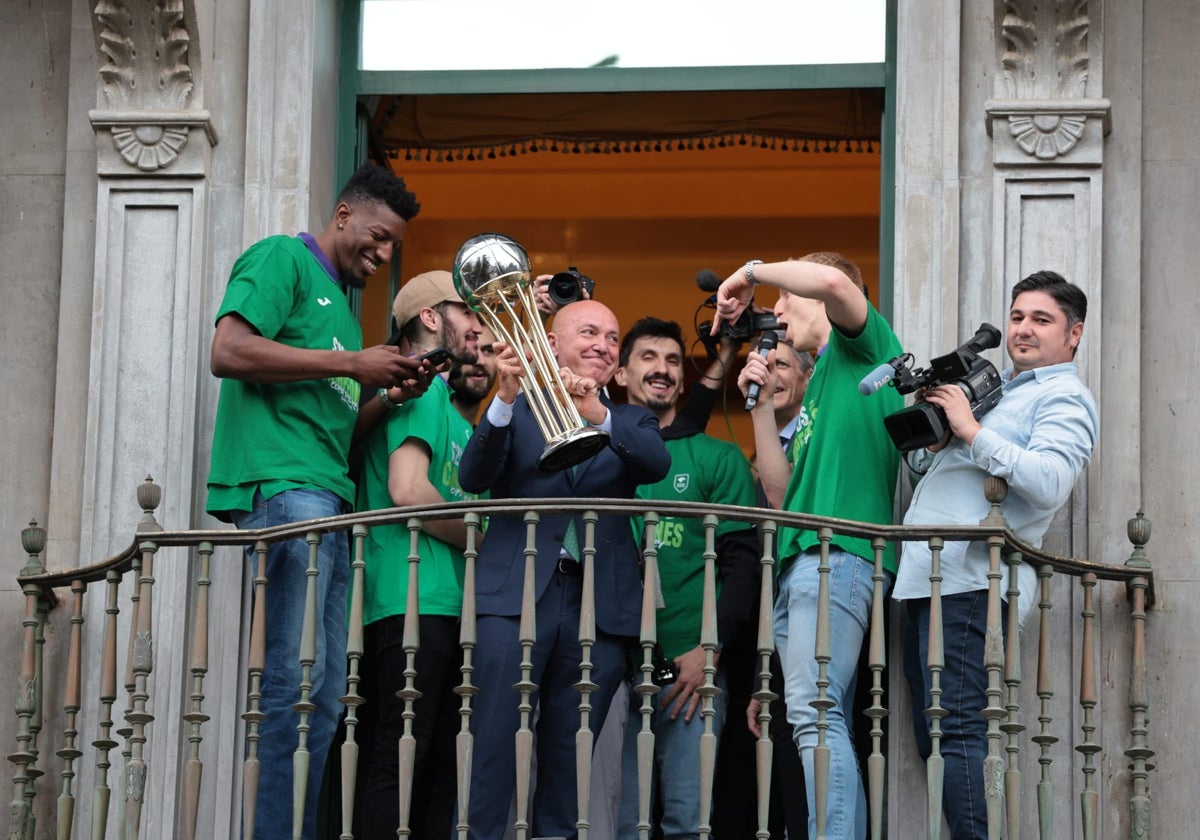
[767, 342]
[876, 379]
[707, 280]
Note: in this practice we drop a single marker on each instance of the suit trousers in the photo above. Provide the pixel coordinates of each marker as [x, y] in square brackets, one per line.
[496, 717]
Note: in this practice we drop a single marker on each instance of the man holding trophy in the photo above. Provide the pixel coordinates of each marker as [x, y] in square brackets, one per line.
[550, 431]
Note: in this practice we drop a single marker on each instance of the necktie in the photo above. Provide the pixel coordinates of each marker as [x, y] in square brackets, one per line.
[571, 538]
[571, 542]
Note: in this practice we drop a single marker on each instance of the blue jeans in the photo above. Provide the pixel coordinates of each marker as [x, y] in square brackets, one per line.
[850, 588]
[676, 768]
[287, 581]
[964, 695]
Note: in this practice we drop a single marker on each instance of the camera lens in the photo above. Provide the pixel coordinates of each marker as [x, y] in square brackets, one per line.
[565, 288]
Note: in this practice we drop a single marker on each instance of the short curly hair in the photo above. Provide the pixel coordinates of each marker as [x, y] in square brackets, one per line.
[373, 184]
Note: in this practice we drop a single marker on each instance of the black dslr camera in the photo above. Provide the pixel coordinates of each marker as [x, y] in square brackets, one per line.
[569, 286]
[924, 424]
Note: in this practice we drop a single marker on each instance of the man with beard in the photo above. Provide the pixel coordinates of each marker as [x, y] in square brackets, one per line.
[411, 459]
[471, 383]
[502, 458]
[703, 469]
[289, 351]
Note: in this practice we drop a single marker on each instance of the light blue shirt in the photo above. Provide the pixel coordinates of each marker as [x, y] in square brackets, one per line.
[788, 432]
[1038, 438]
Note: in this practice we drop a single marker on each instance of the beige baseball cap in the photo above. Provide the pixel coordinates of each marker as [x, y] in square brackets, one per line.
[426, 290]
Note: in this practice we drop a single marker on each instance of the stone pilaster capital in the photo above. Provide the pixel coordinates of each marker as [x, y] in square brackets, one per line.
[1048, 131]
[160, 142]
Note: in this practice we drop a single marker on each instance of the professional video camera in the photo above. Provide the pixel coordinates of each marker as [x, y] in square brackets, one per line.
[569, 286]
[924, 424]
[748, 324]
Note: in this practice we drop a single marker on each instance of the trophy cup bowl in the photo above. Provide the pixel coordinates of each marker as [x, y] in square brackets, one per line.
[491, 273]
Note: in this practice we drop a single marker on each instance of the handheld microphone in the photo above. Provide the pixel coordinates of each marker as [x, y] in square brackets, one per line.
[768, 342]
[876, 379]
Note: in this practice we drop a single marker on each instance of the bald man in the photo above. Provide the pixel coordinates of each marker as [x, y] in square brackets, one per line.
[501, 458]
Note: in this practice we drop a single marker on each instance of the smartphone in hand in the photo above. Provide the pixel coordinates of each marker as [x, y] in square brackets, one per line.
[436, 357]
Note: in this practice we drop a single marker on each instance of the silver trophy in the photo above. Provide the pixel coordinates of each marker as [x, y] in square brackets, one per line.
[491, 273]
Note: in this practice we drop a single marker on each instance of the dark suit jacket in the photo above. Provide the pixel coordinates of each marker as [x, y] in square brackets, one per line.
[503, 460]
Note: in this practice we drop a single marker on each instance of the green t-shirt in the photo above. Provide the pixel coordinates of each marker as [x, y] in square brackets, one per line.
[290, 434]
[432, 419]
[703, 469]
[844, 462]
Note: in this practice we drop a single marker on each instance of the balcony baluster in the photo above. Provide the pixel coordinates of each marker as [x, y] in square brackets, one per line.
[71, 706]
[646, 689]
[527, 635]
[411, 643]
[995, 490]
[468, 635]
[823, 653]
[348, 754]
[1089, 797]
[935, 765]
[763, 749]
[1012, 726]
[1045, 739]
[709, 691]
[21, 820]
[104, 745]
[252, 767]
[877, 661]
[194, 767]
[1139, 753]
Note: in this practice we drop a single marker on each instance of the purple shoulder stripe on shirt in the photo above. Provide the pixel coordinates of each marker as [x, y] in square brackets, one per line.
[310, 242]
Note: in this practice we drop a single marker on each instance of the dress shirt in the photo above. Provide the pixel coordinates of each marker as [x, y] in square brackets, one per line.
[788, 432]
[500, 414]
[1038, 438]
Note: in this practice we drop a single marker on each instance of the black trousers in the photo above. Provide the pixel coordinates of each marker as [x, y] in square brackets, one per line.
[435, 724]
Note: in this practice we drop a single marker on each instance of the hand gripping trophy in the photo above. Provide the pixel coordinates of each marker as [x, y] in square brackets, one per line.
[491, 273]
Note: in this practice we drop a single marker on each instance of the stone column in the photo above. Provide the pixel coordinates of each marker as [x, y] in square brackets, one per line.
[1047, 123]
[1000, 166]
[153, 140]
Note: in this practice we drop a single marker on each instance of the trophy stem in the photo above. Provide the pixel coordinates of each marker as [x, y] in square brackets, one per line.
[492, 275]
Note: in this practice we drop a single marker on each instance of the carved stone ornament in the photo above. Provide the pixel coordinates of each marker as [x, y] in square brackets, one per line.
[148, 142]
[149, 147]
[143, 653]
[1046, 136]
[146, 45]
[1044, 49]
[1054, 132]
[148, 120]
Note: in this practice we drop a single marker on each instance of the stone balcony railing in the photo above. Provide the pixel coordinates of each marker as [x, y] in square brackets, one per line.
[1019, 715]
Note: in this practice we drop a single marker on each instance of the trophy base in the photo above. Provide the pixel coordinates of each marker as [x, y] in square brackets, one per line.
[570, 448]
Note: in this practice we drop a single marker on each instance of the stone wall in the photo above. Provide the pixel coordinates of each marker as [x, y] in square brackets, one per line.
[34, 161]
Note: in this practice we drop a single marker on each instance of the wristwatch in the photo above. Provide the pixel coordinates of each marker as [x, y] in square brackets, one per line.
[386, 400]
[749, 271]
